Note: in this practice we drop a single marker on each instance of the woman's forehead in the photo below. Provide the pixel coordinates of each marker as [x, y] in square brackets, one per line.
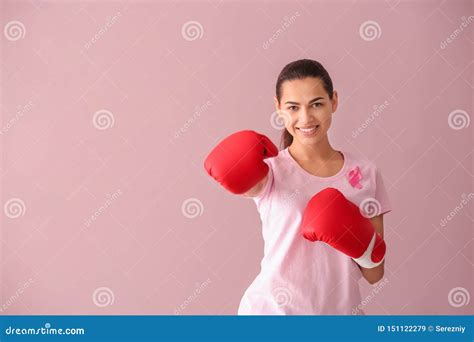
[306, 89]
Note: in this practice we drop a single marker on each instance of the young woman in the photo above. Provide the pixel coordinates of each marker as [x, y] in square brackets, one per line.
[321, 209]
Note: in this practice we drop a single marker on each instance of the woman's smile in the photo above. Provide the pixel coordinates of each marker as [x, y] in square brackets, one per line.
[308, 131]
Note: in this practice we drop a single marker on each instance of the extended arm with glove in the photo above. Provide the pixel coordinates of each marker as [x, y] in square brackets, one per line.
[331, 218]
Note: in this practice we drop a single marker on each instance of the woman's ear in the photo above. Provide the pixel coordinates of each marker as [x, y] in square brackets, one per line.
[277, 105]
[335, 101]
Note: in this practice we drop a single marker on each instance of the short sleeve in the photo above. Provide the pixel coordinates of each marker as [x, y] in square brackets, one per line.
[381, 194]
[268, 185]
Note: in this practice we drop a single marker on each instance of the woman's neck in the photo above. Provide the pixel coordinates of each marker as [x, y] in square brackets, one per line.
[322, 151]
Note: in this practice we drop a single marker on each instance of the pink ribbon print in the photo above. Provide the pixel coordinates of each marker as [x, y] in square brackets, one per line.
[354, 176]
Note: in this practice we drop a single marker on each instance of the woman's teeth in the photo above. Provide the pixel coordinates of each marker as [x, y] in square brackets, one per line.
[308, 131]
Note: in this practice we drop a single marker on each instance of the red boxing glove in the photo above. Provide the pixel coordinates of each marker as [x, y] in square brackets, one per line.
[331, 218]
[237, 161]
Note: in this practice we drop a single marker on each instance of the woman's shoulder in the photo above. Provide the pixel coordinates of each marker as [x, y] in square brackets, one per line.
[360, 167]
[278, 160]
[355, 159]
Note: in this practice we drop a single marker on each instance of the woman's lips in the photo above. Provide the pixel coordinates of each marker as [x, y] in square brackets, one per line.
[308, 131]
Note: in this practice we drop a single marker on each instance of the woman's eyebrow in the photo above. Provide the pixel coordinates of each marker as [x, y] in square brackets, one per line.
[313, 100]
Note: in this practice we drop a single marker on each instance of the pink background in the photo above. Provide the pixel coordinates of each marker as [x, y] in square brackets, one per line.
[171, 95]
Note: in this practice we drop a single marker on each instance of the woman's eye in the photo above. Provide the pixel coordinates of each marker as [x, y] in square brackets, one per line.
[292, 107]
[318, 104]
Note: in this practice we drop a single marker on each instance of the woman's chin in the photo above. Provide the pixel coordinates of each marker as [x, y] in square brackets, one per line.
[308, 140]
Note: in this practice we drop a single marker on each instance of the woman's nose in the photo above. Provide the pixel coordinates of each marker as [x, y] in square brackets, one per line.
[304, 115]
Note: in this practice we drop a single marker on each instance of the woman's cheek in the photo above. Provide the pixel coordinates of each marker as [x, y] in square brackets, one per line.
[326, 119]
[291, 130]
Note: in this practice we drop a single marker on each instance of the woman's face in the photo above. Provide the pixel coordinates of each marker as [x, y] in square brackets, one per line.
[306, 109]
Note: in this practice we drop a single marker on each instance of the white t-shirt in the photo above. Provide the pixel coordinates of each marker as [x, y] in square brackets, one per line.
[297, 276]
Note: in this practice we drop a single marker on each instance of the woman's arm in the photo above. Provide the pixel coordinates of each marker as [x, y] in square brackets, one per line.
[373, 275]
[257, 189]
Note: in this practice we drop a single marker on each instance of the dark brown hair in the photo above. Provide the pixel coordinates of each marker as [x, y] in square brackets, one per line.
[299, 70]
